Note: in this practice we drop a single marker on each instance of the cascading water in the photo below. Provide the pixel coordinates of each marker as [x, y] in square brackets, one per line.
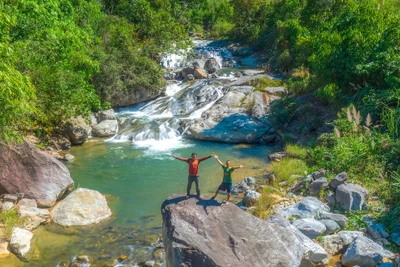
[158, 124]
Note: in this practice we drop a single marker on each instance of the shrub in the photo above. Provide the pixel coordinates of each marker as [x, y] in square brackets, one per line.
[9, 219]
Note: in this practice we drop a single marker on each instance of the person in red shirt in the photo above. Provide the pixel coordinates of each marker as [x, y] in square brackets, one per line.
[193, 172]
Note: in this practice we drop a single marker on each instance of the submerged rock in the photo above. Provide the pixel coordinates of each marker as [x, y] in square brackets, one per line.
[33, 216]
[206, 233]
[25, 169]
[81, 207]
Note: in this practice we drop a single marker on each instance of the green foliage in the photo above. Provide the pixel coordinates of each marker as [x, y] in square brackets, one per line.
[9, 219]
[356, 220]
[17, 93]
[261, 83]
[282, 111]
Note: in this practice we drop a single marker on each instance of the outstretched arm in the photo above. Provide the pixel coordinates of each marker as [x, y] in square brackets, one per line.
[206, 157]
[238, 167]
[180, 158]
[220, 162]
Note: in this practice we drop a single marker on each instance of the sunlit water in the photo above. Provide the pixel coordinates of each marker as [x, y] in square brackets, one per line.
[136, 180]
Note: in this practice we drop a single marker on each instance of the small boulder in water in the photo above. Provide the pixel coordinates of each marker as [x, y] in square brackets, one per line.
[211, 65]
[81, 207]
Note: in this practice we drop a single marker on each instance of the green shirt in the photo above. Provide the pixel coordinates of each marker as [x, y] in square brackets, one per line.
[227, 174]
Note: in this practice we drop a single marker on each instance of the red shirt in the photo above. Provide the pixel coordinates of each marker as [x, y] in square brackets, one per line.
[194, 165]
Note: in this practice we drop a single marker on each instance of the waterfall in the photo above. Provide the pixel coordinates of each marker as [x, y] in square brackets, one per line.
[157, 125]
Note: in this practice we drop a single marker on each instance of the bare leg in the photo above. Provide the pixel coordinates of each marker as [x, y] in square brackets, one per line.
[216, 194]
[229, 197]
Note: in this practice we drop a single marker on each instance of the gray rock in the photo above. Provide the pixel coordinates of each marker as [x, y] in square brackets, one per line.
[365, 252]
[338, 180]
[27, 202]
[81, 207]
[249, 180]
[340, 219]
[251, 197]
[351, 196]
[317, 185]
[105, 128]
[149, 263]
[246, 241]
[25, 169]
[211, 65]
[280, 90]
[246, 89]
[277, 156]
[310, 227]
[187, 71]
[69, 157]
[375, 230]
[331, 226]
[348, 236]
[93, 119]
[10, 198]
[308, 207]
[20, 242]
[244, 185]
[7, 205]
[34, 217]
[396, 238]
[318, 174]
[303, 184]
[333, 244]
[105, 115]
[77, 130]
[331, 199]
[83, 259]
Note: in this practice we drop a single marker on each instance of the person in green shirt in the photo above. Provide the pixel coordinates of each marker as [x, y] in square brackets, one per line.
[226, 184]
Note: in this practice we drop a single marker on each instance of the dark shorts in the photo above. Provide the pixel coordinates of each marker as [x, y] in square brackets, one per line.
[225, 187]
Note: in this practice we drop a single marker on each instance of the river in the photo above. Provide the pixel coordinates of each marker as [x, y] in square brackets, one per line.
[136, 171]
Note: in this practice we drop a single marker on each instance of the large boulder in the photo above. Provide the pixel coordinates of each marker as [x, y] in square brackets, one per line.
[203, 233]
[82, 207]
[365, 252]
[20, 242]
[211, 65]
[105, 115]
[308, 207]
[77, 130]
[105, 128]
[227, 121]
[25, 169]
[351, 196]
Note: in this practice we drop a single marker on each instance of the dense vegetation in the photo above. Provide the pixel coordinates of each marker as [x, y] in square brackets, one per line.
[64, 58]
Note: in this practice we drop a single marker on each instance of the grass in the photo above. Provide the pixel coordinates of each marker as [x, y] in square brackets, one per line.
[295, 151]
[287, 167]
[9, 219]
[263, 82]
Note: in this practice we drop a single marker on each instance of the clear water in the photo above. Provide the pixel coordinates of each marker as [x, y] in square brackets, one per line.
[135, 180]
